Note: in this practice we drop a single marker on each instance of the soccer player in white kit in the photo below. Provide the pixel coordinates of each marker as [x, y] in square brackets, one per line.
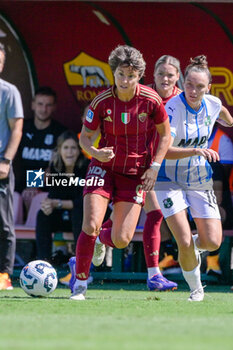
[184, 179]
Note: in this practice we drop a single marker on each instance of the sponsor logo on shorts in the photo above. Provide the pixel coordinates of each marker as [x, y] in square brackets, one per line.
[97, 171]
[167, 203]
[139, 194]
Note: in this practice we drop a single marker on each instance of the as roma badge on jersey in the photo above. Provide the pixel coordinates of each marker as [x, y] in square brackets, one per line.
[142, 117]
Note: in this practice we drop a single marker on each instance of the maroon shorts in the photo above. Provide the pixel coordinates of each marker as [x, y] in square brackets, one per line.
[114, 186]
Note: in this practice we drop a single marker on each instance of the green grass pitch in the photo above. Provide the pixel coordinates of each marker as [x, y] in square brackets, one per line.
[117, 316]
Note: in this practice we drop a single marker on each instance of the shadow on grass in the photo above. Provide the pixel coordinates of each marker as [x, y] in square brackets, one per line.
[23, 298]
[131, 285]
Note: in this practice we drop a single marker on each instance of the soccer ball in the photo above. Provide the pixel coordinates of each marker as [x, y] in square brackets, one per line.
[38, 278]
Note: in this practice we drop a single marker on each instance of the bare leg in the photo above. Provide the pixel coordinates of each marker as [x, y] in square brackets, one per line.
[95, 207]
[180, 228]
[126, 216]
[209, 233]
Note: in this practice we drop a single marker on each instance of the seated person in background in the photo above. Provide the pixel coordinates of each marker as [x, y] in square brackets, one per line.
[221, 142]
[38, 141]
[222, 172]
[62, 210]
[223, 197]
[231, 184]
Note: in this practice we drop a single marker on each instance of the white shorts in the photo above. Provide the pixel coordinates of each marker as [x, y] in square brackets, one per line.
[173, 199]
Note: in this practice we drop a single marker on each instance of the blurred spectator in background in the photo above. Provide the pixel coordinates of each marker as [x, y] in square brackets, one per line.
[11, 124]
[222, 143]
[222, 173]
[39, 138]
[62, 210]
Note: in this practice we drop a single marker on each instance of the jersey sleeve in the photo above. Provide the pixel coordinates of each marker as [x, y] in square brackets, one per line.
[14, 104]
[161, 114]
[173, 116]
[92, 120]
[217, 106]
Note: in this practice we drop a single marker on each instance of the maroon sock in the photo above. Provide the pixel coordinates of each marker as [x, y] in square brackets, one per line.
[84, 253]
[152, 237]
[107, 224]
[105, 236]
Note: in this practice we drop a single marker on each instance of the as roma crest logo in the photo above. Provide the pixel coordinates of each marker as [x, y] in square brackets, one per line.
[87, 77]
[142, 117]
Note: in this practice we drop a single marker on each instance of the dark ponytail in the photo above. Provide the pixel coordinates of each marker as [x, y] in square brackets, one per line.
[198, 64]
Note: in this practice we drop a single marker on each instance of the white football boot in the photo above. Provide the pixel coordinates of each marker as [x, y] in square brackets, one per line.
[197, 295]
[99, 254]
[79, 291]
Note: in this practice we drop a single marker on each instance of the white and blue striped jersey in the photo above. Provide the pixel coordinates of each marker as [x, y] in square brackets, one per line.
[190, 128]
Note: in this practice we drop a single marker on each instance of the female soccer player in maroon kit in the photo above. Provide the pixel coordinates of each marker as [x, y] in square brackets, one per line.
[166, 75]
[125, 163]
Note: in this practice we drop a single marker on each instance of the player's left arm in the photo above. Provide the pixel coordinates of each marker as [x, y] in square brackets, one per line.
[225, 118]
[16, 126]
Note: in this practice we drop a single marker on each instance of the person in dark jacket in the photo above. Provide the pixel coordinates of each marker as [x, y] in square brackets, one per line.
[62, 210]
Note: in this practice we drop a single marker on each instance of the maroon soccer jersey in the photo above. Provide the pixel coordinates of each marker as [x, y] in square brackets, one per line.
[127, 126]
[176, 91]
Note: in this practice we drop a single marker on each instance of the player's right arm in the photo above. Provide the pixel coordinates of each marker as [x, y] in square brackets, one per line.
[86, 141]
[180, 152]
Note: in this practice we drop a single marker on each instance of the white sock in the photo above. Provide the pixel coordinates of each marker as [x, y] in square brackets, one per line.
[193, 278]
[82, 283]
[152, 271]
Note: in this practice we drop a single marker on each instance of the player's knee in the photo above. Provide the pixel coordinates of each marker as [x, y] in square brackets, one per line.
[91, 228]
[213, 244]
[121, 242]
[184, 244]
